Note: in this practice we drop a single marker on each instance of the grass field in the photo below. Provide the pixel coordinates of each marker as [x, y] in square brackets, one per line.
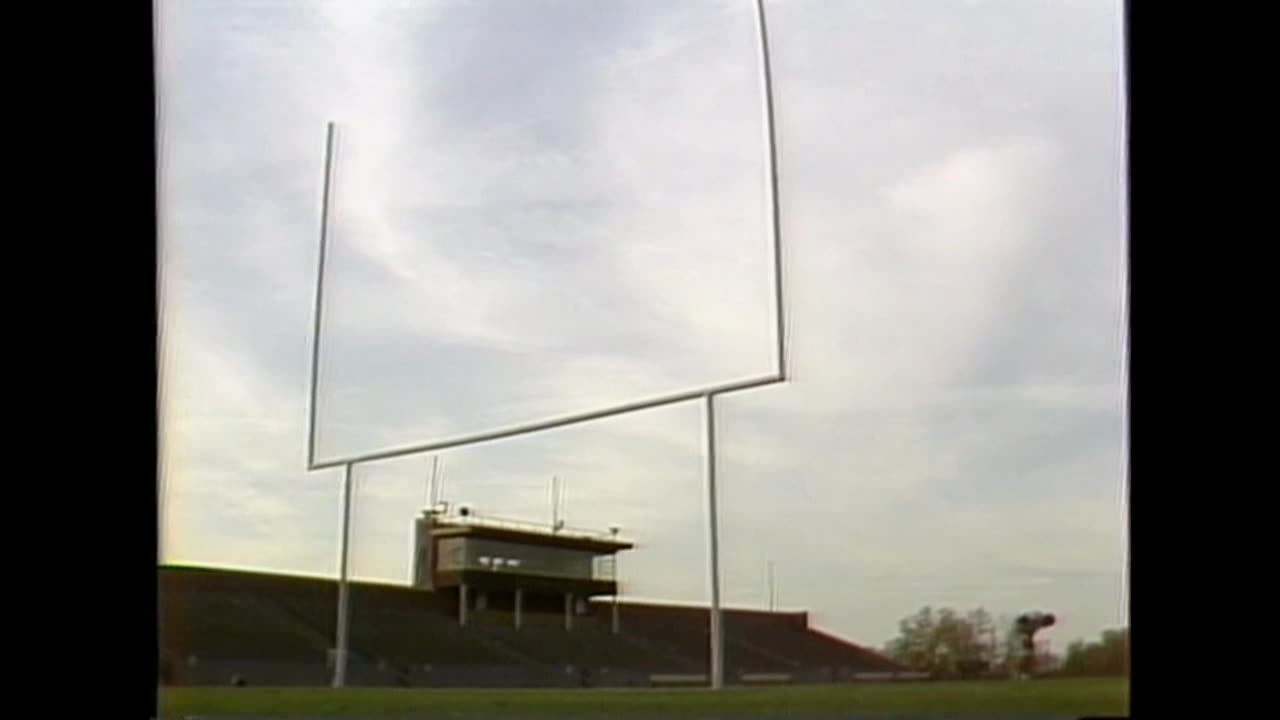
[1068, 698]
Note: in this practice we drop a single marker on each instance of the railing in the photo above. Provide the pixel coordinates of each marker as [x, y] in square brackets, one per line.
[526, 526]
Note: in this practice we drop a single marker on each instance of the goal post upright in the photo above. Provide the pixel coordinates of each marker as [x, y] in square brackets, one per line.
[343, 626]
[317, 308]
[716, 633]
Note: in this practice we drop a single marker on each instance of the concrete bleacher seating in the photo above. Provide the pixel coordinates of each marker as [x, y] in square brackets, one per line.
[278, 630]
[582, 647]
[218, 626]
[402, 636]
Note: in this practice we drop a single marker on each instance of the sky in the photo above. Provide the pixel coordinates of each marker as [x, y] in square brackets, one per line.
[553, 206]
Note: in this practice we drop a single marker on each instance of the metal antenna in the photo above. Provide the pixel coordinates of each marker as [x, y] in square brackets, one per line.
[431, 483]
[562, 497]
[440, 486]
[771, 591]
[552, 498]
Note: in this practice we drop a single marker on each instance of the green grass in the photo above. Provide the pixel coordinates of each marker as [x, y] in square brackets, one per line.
[1043, 697]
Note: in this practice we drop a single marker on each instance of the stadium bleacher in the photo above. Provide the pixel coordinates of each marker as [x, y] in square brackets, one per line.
[264, 629]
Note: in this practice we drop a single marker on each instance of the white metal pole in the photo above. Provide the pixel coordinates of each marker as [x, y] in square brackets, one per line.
[717, 639]
[344, 608]
[775, 216]
[318, 306]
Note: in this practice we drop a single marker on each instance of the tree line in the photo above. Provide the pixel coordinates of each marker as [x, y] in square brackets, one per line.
[948, 644]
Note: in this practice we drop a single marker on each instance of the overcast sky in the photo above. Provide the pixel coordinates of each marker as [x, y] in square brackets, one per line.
[555, 205]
